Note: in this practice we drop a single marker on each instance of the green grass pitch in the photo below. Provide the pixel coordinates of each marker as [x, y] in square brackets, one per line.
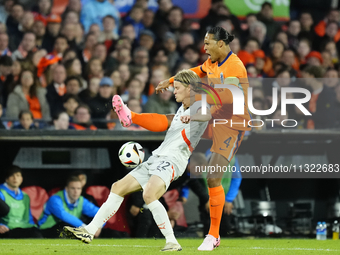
[151, 246]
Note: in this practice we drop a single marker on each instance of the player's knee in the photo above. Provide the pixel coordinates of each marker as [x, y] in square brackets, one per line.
[149, 197]
[214, 182]
[117, 189]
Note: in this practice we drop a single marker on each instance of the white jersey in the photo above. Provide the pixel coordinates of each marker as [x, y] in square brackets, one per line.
[181, 138]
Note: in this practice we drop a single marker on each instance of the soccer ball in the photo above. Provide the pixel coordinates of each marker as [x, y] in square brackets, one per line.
[131, 154]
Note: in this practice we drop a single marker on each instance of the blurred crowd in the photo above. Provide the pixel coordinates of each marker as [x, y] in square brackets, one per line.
[61, 71]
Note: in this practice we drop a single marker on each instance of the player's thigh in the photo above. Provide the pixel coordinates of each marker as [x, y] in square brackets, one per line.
[154, 189]
[226, 142]
[126, 186]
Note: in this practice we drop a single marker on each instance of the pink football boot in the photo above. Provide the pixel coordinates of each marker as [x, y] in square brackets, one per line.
[123, 112]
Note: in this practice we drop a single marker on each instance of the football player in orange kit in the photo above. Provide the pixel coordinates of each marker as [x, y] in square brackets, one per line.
[222, 65]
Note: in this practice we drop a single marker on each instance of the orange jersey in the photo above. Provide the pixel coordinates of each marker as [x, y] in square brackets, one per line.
[232, 66]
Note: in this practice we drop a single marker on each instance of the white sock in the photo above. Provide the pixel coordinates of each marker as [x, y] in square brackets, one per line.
[105, 212]
[162, 220]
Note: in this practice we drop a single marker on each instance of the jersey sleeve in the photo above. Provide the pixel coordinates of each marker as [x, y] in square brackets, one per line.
[199, 70]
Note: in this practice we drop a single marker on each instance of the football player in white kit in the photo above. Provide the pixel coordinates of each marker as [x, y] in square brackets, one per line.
[167, 163]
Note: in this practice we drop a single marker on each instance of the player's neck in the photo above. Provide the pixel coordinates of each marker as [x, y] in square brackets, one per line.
[187, 102]
[224, 54]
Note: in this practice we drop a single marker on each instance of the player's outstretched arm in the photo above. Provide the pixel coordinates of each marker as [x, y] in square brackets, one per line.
[164, 85]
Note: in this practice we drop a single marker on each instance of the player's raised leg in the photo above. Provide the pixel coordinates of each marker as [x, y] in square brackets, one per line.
[154, 189]
[151, 121]
[118, 190]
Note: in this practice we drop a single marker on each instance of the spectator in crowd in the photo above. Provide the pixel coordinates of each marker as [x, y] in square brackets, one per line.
[89, 93]
[294, 29]
[170, 44]
[191, 55]
[135, 18]
[12, 22]
[306, 21]
[73, 85]
[43, 8]
[6, 64]
[53, 27]
[66, 208]
[39, 29]
[18, 222]
[60, 121]
[322, 103]
[28, 96]
[70, 103]
[147, 39]
[134, 90]
[73, 68]
[266, 17]
[71, 17]
[82, 118]
[25, 121]
[60, 45]
[4, 40]
[140, 57]
[94, 11]
[331, 78]
[94, 68]
[56, 89]
[5, 10]
[108, 36]
[27, 44]
[101, 105]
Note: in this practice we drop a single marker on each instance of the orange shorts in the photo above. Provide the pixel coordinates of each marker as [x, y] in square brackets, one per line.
[226, 141]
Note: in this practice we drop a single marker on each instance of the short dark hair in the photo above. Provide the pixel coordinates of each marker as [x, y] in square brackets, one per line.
[73, 77]
[72, 178]
[25, 112]
[6, 61]
[82, 106]
[221, 34]
[109, 16]
[69, 96]
[13, 169]
[191, 47]
[316, 71]
[61, 36]
[266, 4]
[57, 115]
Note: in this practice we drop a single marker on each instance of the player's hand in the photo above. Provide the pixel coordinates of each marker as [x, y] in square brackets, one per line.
[185, 119]
[162, 86]
[134, 210]
[3, 229]
[228, 208]
[97, 234]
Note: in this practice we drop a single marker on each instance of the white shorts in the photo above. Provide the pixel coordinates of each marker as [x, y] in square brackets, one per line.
[159, 166]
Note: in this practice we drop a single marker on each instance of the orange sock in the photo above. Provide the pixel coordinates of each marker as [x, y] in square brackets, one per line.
[151, 121]
[216, 202]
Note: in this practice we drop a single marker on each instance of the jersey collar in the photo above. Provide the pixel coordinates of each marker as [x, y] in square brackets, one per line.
[225, 58]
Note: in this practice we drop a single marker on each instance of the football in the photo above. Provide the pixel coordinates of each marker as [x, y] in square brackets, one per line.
[131, 154]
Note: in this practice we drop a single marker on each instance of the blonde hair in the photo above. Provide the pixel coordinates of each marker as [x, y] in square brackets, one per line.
[188, 77]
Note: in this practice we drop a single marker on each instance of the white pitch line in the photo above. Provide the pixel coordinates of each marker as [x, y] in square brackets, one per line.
[149, 246]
